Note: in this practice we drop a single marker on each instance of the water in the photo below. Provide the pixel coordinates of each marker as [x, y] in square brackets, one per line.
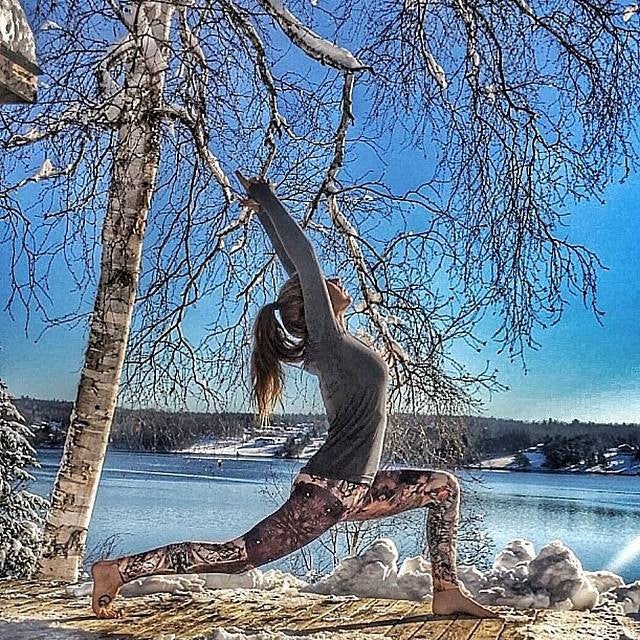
[154, 499]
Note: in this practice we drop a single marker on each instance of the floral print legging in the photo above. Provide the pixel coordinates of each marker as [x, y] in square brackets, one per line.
[316, 504]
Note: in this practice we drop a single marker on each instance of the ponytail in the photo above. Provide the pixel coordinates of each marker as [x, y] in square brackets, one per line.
[271, 347]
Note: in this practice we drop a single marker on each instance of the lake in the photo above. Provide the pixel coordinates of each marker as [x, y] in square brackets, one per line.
[154, 499]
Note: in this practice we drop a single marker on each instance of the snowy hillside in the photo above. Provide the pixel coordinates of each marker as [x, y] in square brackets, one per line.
[260, 447]
[619, 460]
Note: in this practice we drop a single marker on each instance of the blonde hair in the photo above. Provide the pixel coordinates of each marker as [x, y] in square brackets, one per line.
[275, 342]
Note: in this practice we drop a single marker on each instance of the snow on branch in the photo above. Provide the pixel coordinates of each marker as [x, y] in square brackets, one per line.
[311, 43]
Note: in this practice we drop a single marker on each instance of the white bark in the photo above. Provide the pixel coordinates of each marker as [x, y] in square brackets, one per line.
[309, 41]
[18, 79]
[132, 183]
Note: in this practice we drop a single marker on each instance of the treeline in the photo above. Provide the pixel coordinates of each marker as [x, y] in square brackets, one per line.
[498, 436]
[149, 429]
[456, 439]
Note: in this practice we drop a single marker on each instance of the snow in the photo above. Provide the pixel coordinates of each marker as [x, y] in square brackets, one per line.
[604, 581]
[374, 574]
[15, 32]
[514, 553]
[21, 512]
[273, 579]
[374, 296]
[628, 596]
[49, 25]
[619, 461]
[45, 171]
[553, 578]
[249, 449]
[630, 11]
[234, 633]
[308, 41]
[31, 134]
[437, 72]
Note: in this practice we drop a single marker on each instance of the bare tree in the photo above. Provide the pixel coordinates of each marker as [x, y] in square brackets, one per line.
[18, 71]
[506, 111]
[136, 155]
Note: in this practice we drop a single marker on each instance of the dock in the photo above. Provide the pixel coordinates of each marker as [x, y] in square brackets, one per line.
[37, 610]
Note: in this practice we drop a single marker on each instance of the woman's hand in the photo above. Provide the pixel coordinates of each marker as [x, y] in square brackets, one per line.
[249, 203]
[245, 182]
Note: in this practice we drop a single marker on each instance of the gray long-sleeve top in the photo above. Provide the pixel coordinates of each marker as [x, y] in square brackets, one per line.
[352, 377]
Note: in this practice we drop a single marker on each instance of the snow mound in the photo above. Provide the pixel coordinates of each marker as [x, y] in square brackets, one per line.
[628, 596]
[554, 579]
[519, 578]
[557, 570]
[604, 581]
[374, 574]
[515, 552]
[197, 583]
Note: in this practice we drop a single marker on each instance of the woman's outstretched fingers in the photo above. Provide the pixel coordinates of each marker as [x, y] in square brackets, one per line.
[245, 182]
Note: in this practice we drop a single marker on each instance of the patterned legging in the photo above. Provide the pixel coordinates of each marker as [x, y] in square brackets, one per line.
[316, 504]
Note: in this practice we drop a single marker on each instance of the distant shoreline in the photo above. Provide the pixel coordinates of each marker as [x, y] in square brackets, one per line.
[553, 471]
[470, 467]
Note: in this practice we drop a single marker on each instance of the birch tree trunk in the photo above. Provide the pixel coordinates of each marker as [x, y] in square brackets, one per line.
[133, 176]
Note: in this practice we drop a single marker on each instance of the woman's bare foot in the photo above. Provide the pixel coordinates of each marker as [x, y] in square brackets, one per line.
[106, 584]
[454, 600]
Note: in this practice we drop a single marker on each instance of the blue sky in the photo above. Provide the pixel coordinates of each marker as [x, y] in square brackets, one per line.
[581, 370]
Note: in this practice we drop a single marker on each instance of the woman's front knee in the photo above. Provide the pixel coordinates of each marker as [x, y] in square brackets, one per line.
[449, 484]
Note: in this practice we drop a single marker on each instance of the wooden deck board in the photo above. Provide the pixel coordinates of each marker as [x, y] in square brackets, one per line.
[34, 610]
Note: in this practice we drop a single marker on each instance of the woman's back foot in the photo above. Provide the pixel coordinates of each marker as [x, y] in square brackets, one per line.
[454, 600]
[106, 584]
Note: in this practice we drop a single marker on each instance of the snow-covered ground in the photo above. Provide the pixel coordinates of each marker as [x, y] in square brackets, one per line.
[519, 577]
[619, 461]
[255, 448]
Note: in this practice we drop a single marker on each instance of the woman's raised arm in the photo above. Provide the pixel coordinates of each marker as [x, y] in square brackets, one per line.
[319, 315]
[281, 252]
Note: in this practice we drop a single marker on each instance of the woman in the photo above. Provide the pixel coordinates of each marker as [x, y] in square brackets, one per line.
[341, 481]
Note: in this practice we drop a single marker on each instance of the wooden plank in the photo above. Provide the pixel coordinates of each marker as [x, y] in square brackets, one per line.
[148, 617]
[16, 83]
[396, 615]
[321, 611]
[162, 619]
[515, 620]
[421, 623]
[376, 617]
[367, 617]
[488, 629]
[351, 614]
[207, 614]
[462, 629]
[297, 615]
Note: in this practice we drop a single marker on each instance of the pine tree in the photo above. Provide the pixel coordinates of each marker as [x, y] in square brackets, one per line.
[21, 512]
